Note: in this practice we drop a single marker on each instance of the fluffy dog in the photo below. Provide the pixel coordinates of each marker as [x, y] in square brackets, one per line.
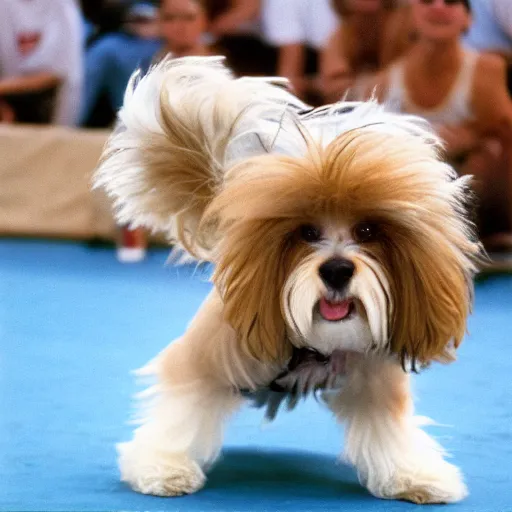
[343, 258]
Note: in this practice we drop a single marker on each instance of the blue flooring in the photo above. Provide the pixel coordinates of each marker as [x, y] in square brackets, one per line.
[74, 322]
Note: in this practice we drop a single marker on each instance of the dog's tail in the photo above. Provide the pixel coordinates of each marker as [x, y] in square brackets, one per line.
[180, 128]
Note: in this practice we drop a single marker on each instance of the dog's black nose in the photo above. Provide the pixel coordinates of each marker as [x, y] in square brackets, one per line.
[336, 273]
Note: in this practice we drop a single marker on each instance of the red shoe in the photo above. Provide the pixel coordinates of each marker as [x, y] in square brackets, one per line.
[132, 245]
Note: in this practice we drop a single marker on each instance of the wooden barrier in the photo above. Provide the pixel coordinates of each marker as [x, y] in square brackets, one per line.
[45, 183]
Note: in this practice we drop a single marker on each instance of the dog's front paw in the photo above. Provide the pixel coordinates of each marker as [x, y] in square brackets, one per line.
[160, 474]
[442, 483]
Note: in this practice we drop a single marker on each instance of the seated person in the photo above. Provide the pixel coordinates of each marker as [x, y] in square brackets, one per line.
[177, 27]
[40, 61]
[111, 60]
[371, 34]
[181, 26]
[464, 95]
[300, 30]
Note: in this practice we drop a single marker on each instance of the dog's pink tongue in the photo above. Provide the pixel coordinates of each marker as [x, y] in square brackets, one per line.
[334, 311]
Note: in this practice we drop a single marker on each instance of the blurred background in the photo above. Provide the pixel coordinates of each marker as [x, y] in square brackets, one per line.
[64, 67]
[83, 300]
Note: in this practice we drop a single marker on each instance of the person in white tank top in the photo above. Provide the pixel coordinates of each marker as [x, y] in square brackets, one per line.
[464, 95]
[455, 108]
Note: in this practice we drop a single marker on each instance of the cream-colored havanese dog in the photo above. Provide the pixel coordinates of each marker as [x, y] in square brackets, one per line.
[343, 258]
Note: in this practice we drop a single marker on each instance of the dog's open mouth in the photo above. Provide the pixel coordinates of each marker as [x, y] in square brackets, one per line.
[335, 311]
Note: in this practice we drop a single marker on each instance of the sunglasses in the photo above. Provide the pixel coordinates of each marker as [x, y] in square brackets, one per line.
[447, 2]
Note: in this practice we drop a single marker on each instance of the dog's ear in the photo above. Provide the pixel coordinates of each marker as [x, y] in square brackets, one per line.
[433, 295]
[428, 249]
[253, 266]
[431, 267]
[432, 271]
[182, 126]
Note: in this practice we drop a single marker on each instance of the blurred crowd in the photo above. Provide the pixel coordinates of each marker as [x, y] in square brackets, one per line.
[449, 61]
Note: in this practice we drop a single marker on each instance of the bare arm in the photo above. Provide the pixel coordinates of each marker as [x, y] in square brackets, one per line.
[241, 11]
[492, 109]
[503, 54]
[398, 35]
[491, 102]
[335, 74]
[291, 63]
[28, 83]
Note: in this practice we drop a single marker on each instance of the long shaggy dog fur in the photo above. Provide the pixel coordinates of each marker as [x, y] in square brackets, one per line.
[240, 173]
[175, 141]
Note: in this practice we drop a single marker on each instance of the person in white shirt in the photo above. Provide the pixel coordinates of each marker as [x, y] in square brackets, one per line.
[41, 47]
[296, 26]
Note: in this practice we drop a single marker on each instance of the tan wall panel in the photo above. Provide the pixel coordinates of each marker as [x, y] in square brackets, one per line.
[45, 187]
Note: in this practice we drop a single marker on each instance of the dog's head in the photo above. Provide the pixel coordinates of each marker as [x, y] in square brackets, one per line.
[363, 245]
[340, 228]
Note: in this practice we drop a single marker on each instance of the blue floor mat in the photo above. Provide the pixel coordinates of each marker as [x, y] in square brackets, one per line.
[74, 322]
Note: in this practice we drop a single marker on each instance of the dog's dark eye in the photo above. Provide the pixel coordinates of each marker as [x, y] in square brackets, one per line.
[310, 233]
[365, 232]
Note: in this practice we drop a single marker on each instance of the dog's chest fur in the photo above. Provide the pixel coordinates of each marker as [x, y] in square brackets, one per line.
[308, 372]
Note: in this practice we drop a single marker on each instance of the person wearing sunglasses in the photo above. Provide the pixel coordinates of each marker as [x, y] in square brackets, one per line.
[464, 95]
[370, 35]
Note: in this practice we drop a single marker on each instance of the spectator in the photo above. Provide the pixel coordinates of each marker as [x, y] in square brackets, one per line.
[464, 95]
[111, 60]
[300, 30]
[41, 46]
[182, 25]
[371, 34]
[231, 16]
[177, 27]
[105, 16]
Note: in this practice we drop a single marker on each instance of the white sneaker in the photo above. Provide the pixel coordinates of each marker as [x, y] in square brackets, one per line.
[130, 254]
[131, 246]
